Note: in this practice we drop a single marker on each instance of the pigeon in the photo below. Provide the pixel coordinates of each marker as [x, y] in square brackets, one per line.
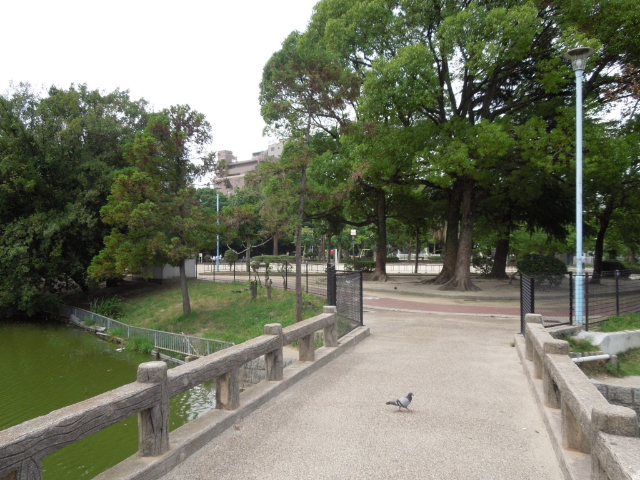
[402, 402]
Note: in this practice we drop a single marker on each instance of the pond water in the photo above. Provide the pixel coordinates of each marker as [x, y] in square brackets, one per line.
[46, 366]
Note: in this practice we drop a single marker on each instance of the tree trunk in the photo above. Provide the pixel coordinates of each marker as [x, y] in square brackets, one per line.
[186, 304]
[380, 273]
[248, 256]
[461, 279]
[451, 241]
[499, 269]
[276, 239]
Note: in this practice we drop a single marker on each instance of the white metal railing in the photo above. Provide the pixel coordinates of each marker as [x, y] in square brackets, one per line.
[174, 342]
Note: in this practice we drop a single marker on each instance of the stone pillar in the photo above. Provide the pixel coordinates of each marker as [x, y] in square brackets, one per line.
[153, 423]
[274, 361]
[307, 348]
[614, 420]
[228, 390]
[331, 332]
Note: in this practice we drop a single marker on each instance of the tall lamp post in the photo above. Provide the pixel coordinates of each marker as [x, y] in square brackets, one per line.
[578, 57]
[217, 236]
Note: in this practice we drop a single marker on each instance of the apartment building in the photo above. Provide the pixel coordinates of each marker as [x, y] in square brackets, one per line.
[235, 171]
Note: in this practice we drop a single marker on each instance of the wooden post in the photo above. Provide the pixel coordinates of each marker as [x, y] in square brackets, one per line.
[331, 331]
[274, 361]
[228, 390]
[153, 423]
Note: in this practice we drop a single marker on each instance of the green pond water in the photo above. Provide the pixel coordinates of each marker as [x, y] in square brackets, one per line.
[46, 366]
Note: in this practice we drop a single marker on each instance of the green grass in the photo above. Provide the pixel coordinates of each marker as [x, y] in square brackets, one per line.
[619, 323]
[142, 345]
[580, 345]
[221, 311]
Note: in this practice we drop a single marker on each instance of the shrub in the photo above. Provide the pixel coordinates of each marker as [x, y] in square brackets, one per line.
[612, 266]
[359, 264]
[392, 259]
[141, 344]
[543, 268]
[482, 263]
[107, 306]
[231, 256]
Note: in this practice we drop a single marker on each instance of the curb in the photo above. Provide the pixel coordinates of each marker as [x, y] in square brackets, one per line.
[188, 439]
[429, 312]
[574, 465]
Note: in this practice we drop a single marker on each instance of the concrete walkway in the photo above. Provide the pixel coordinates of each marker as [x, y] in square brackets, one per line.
[474, 415]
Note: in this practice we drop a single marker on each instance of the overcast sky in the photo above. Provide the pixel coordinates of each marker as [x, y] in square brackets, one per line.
[208, 54]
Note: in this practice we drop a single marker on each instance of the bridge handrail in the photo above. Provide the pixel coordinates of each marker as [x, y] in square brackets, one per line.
[588, 420]
[23, 447]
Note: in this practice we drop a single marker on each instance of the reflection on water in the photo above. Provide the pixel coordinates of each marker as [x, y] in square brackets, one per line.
[48, 366]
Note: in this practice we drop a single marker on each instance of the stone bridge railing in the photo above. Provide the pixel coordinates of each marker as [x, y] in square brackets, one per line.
[23, 447]
[592, 438]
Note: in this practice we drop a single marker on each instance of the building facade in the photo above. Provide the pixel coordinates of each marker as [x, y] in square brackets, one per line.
[233, 174]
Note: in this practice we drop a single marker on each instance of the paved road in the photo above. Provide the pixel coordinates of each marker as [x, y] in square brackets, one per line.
[474, 416]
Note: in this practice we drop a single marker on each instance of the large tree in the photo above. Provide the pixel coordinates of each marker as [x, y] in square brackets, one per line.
[153, 208]
[58, 155]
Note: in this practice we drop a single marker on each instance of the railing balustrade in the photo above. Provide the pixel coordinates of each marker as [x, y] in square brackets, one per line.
[23, 447]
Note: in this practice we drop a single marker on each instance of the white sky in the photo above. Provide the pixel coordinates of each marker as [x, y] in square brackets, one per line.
[208, 54]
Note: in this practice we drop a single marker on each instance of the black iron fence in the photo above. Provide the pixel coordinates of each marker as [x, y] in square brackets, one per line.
[604, 295]
[340, 288]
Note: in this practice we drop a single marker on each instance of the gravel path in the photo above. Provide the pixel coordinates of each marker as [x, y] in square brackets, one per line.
[474, 416]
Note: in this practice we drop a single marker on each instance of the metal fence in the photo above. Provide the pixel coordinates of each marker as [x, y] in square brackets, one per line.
[281, 274]
[552, 296]
[347, 297]
[172, 342]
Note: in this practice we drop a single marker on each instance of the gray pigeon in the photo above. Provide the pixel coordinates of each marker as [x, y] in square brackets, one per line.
[402, 402]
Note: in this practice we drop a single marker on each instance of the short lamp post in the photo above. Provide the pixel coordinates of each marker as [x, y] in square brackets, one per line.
[578, 57]
[353, 242]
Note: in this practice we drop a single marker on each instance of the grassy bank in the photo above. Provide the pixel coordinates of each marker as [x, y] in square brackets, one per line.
[221, 311]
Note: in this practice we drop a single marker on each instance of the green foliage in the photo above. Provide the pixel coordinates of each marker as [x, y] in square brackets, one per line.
[110, 307]
[117, 332]
[543, 268]
[482, 263]
[231, 256]
[58, 155]
[141, 344]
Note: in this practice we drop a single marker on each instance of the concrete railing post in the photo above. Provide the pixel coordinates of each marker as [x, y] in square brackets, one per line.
[153, 423]
[274, 360]
[530, 318]
[228, 390]
[549, 387]
[614, 420]
[307, 346]
[331, 331]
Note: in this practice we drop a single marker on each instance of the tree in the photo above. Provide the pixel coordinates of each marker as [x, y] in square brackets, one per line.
[58, 155]
[302, 89]
[152, 207]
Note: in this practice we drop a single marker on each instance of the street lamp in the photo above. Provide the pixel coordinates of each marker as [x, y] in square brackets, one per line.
[578, 57]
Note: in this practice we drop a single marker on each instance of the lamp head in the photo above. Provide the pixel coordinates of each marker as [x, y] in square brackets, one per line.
[578, 57]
